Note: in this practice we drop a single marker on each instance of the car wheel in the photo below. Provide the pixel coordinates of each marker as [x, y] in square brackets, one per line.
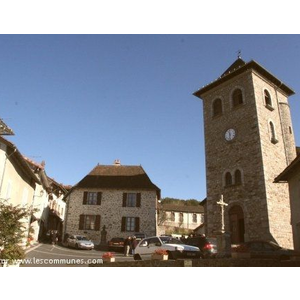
[137, 257]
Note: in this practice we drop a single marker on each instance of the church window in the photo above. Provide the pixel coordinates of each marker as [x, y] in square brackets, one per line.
[273, 133]
[228, 179]
[268, 100]
[237, 98]
[238, 177]
[217, 107]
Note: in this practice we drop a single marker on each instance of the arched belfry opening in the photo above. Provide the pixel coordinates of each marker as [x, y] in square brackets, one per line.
[236, 224]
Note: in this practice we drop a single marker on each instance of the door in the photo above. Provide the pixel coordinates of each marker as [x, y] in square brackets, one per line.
[237, 225]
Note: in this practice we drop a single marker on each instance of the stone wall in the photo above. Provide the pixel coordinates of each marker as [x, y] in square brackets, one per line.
[111, 213]
[265, 204]
[275, 158]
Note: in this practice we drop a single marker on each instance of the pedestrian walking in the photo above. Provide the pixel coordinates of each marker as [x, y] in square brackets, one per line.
[53, 237]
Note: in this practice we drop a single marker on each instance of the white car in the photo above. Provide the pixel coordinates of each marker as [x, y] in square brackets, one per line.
[174, 247]
[79, 242]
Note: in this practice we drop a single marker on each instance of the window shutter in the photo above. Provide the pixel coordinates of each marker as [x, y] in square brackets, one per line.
[123, 224]
[138, 200]
[137, 224]
[97, 223]
[85, 198]
[124, 199]
[99, 198]
[81, 222]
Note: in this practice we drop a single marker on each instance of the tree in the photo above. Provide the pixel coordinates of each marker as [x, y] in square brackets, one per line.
[12, 230]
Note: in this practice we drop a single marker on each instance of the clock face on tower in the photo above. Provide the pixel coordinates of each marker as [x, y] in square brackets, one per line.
[230, 134]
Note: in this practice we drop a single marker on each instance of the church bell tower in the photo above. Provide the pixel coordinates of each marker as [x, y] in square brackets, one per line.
[249, 141]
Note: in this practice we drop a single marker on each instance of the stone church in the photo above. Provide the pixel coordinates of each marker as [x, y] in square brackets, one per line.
[249, 141]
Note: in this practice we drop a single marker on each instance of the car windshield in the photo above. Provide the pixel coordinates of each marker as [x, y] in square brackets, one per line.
[170, 240]
[81, 238]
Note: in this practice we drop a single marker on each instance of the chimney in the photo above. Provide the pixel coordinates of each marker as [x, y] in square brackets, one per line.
[117, 162]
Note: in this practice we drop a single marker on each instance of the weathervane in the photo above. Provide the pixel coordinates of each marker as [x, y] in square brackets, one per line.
[239, 53]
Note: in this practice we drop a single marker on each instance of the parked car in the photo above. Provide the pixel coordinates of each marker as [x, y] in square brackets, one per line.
[269, 249]
[208, 246]
[79, 242]
[175, 248]
[139, 236]
[116, 244]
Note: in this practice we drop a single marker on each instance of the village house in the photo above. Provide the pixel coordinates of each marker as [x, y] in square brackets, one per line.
[180, 219]
[24, 183]
[17, 180]
[292, 175]
[121, 198]
[48, 203]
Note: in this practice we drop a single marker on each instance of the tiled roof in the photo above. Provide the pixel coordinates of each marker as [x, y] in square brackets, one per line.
[118, 177]
[14, 153]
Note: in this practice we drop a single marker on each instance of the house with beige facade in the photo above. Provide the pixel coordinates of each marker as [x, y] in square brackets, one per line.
[291, 175]
[48, 203]
[179, 218]
[121, 199]
[25, 183]
[17, 180]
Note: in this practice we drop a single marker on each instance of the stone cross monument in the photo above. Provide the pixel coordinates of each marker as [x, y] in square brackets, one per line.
[223, 238]
[222, 204]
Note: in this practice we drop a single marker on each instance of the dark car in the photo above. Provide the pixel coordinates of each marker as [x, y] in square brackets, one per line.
[269, 249]
[208, 246]
[139, 236]
[116, 244]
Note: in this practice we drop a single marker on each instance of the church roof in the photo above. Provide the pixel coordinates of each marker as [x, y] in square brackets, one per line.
[237, 68]
[118, 177]
[236, 65]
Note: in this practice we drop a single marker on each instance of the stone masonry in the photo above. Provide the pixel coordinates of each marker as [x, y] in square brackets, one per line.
[264, 204]
[113, 183]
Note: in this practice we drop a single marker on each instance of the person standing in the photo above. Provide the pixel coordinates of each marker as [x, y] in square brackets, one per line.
[134, 244]
[127, 246]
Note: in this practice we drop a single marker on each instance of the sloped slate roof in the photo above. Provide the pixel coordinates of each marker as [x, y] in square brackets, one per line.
[117, 177]
[238, 67]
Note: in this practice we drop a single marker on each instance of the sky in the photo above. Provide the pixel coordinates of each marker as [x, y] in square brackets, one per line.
[74, 101]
